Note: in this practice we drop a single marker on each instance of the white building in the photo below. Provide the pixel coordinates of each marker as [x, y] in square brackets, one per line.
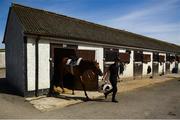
[32, 35]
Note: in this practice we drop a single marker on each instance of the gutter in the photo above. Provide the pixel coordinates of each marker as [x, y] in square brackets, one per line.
[78, 41]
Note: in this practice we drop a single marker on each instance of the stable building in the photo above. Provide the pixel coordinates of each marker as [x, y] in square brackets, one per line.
[33, 36]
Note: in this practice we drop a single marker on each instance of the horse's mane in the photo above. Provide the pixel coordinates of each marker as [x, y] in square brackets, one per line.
[86, 63]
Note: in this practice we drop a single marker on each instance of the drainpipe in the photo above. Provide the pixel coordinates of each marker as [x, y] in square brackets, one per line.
[142, 64]
[153, 65]
[37, 67]
[133, 65]
[152, 69]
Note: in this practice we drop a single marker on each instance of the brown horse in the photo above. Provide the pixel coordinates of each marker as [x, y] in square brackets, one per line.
[75, 71]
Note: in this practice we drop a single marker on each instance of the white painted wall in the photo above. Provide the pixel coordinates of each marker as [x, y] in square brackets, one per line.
[44, 64]
[122, 50]
[30, 64]
[99, 53]
[145, 65]
[162, 66]
[172, 65]
[128, 69]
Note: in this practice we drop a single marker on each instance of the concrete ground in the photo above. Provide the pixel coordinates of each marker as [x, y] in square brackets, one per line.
[160, 99]
[44, 103]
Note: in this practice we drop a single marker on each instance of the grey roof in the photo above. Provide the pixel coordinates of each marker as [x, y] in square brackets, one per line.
[46, 23]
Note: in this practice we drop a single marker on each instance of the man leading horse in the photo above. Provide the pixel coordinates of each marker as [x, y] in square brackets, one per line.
[114, 76]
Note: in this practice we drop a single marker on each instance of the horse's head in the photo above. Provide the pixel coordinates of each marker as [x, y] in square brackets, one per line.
[96, 69]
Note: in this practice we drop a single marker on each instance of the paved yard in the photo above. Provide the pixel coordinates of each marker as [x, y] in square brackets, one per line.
[160, 100]
[44, 103]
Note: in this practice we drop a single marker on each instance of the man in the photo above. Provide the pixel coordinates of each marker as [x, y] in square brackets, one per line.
[113, 69]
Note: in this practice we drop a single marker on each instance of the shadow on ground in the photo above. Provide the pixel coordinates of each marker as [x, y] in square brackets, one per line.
[6, 88]
[71, 97]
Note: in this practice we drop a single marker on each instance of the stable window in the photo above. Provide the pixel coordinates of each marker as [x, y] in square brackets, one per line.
[146, 58]
[178, 58]
[156, 57]
[110, 54]
[138, 56]
[161, 58]
[167, 57]
[124, 57]
[172, 58]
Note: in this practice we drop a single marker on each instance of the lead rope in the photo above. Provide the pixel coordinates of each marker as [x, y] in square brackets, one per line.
[104, 77]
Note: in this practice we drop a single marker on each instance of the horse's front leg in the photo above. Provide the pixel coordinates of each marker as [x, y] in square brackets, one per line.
[62, 86]
[73, 84]
[84, 88]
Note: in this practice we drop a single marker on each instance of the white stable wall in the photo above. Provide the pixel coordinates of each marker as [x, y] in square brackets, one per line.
[30, 64]
[162, 66]
[172, 65]
[145, 65]
[128, 69]
[44, 65]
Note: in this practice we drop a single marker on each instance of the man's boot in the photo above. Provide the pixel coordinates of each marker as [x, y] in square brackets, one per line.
[114, 100]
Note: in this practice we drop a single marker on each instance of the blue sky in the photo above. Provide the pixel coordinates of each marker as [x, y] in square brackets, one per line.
[158, 19]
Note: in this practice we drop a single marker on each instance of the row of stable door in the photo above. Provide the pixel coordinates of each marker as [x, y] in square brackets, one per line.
[138, 68]
[139, 60]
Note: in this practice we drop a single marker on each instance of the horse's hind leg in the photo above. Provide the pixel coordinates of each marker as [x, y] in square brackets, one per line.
[62, 87]
[84, 88]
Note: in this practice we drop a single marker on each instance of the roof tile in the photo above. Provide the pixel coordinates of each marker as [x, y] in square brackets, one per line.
[42, 22]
